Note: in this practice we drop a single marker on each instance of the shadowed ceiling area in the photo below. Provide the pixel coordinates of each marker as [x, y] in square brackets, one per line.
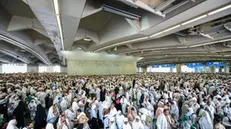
[160, 31]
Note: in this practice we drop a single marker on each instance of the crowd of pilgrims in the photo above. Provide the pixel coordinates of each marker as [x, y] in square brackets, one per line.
[142, 101]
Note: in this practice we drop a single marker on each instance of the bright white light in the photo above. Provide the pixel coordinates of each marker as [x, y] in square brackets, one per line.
[156, 34]
[56, 4]
[225, 40]
[138, 39]
[14, 68]
[87, 39]
[124, 42]
[79, 48]
[195, 19]
[220, 9]
[182, 47]
[206, 35]
[42, 69]
[169, 29]
[57, 68]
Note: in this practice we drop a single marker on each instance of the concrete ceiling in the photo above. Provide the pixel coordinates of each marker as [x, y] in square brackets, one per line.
[154, 29]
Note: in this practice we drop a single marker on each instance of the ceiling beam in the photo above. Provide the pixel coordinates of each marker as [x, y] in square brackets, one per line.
[82, 33]
[18, 23]
[227, 28]
[44, 10]
[5, 61]
[14, 55]
[71, 11]
[164, 5]
[170, 22]
[91, 7]
[18, 38]
[135, 24]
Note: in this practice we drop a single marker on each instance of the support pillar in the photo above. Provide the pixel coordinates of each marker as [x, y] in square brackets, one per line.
[213, 69]
[63, 69]
[0, 68]
[144, 69]
[220, 69]
[226, 69]
[171, 69]
[196, 70]
[178, 68]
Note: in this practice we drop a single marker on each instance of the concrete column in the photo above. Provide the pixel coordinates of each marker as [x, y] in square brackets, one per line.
[171, 69]
[220, 69]
[213, 69]
[196, 70]
[178, 68]
[226, 69]
[32, 68]
[0, 68]
[63, 69]
[144, 69]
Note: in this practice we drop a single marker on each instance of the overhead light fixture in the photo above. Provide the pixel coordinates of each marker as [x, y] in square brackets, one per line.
[154, 35]
[169, 29]
[115, 48]
[220, 9]
[124, 42]
[206, 35]
[172, 28]
[225, 40]
[22, 46]
[56, 5]
[195, 19]
[182, 47]
[138, 39]
[120, 12]
[79, 48]
[87, 39]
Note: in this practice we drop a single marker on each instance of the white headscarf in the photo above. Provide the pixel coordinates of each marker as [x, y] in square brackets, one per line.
[126, 126]
[205, 121]
[64, 126]
[113, 112]
[112, 125]
[12, 124]
[49, 126]
[119, 119]
[137, 125]
[75, 106]
[162, 122]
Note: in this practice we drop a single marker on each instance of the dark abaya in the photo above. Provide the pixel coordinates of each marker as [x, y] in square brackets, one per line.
[40, 118]
[19, 114]
[102, 95]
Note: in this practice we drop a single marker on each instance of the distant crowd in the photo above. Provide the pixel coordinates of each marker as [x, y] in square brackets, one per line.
[141, 101]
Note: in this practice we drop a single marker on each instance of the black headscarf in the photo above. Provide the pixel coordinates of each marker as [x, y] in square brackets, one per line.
[40, 118]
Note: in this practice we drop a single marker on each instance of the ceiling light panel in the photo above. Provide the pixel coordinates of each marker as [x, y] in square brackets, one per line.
[220, 9]
[195, 19]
